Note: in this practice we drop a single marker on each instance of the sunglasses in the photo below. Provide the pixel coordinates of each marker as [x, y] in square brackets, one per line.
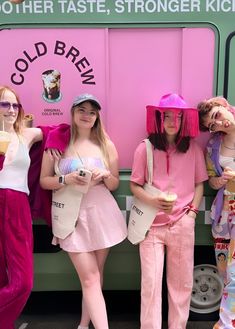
[214, 125]
[8, 105]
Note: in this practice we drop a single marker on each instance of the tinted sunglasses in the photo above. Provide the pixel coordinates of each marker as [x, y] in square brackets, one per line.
[212, 127]
[7, 106]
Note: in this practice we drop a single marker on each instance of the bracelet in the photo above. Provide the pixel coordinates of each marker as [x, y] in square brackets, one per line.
[191, 207]
[195, 212]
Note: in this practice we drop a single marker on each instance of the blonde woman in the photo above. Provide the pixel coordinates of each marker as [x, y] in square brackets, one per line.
[16, 239]
[100, 223]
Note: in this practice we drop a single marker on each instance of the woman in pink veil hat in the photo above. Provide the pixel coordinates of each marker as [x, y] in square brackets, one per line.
[178, 168]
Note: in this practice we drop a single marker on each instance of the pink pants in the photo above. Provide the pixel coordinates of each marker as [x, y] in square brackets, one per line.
[16, 257]
[177, 240]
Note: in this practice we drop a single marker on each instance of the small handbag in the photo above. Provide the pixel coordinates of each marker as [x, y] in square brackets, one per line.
[142, 215]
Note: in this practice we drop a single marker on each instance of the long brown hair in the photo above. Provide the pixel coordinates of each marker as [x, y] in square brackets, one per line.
[20, 116]
[98, 133]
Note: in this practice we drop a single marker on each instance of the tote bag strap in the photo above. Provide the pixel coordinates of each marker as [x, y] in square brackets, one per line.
[56, 168]
[149, 150]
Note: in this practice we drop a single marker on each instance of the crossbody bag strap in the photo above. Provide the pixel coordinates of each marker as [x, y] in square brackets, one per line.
[149, 150]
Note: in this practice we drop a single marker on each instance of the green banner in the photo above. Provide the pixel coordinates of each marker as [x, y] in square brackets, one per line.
[116, 11]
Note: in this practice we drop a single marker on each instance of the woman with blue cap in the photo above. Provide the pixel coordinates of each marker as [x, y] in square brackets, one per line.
[89, 164]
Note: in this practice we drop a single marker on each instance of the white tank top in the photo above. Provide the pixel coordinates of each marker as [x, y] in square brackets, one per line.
[14, 175]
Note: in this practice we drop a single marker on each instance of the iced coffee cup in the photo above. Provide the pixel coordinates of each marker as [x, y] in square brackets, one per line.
[51, 85]
[28, 120]
[171, 198]
[230, 185]
[4, 142]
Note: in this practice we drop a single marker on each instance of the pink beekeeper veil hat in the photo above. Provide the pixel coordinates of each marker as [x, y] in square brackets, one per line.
[176, 104]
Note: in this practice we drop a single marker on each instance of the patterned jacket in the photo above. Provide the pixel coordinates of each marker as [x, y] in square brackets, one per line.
[214, 169]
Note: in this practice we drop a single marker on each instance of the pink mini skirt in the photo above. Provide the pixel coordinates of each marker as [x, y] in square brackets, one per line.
[100, 224]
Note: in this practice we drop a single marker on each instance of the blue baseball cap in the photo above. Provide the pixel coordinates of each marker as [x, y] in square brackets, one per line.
[86, 98]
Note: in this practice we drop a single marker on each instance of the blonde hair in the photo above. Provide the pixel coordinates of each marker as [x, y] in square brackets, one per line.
[98, 133]
[20, 116]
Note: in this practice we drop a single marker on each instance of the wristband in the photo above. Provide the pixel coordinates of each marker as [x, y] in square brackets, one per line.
[192, 211]
[62, 179]
[191, 207]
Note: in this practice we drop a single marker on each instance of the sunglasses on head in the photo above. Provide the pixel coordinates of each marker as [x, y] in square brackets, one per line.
[7, 106]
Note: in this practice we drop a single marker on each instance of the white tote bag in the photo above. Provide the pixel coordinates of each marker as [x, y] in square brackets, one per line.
[65, 208]
[142, 215]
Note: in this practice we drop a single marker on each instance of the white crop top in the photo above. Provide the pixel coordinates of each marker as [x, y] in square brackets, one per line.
[14, 175]
[227, 162]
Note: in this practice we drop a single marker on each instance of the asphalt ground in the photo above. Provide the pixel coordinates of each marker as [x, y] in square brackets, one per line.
[61, 310]
[68, 321]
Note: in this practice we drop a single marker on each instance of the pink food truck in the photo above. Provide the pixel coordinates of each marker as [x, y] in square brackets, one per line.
[128, 53]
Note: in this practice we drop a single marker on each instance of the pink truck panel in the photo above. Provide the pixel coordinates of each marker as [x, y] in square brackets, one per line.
[125, 68]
